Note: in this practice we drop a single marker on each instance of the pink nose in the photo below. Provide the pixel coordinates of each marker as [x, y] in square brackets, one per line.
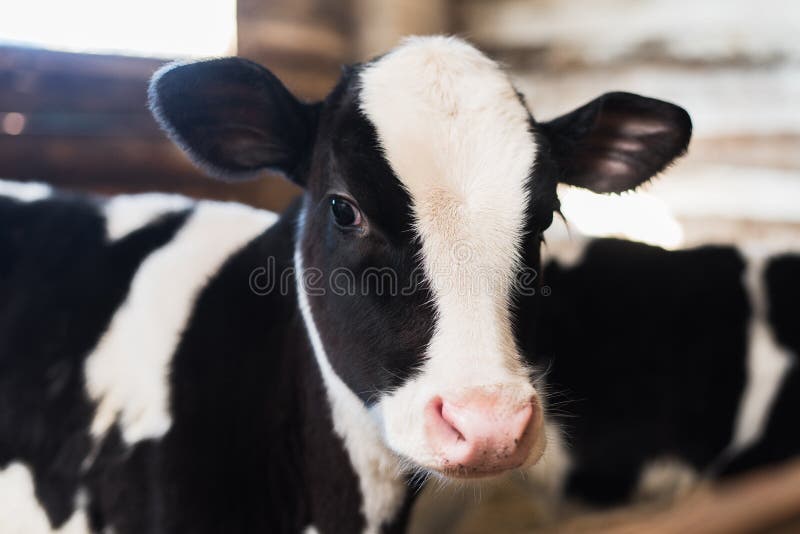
[480, 432]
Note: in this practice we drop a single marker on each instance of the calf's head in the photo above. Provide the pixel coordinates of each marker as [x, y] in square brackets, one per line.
[427, 184]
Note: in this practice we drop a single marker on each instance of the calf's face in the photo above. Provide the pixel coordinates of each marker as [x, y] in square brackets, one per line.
[428, 185]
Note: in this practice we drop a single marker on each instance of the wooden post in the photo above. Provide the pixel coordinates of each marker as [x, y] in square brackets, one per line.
[382, 23]
[304, 42]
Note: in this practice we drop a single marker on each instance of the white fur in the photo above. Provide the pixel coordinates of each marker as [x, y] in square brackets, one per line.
[550, 473]
[458, 138]
[127, 373]
[25, 192]
[20, 511]
[665, 478]
[126, 213]
[377, 468]
[564, 244]
[767, 362]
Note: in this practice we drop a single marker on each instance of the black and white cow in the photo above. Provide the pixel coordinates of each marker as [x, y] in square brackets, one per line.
[153, 379]
[668, 366]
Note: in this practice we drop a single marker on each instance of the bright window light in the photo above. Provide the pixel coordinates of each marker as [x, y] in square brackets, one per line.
[633, 215]
[159, 28]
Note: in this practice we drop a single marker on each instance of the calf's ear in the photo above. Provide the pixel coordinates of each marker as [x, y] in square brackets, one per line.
[234, 118]
[617, 141]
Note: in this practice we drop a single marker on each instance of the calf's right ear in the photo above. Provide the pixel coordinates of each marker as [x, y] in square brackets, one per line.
[234, 118]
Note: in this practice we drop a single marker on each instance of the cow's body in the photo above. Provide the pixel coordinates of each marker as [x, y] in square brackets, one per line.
[670, 365]
[170, 366]
[142, 300]
[663, 365]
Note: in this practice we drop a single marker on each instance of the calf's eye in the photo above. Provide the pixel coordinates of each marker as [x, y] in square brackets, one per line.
[344, 212]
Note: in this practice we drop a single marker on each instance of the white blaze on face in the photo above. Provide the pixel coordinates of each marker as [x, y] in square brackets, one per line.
[458, 138]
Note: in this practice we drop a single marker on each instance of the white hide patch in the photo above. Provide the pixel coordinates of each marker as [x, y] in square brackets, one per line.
[563, 244]
[25, 191]
[126, 213]
[382, 489]
[20, 511]
[665, 478]
[767, 362]
[458, 138]
[550, 472]
[127, 373]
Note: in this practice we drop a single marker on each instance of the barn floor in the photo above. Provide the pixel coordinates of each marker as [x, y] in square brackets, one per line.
[763, 502]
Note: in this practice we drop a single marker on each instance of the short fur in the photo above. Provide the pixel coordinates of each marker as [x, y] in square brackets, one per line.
[236, 410]
[656, 360]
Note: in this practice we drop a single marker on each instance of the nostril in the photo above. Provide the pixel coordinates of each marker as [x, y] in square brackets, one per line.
[486, 421]
[523, 419]
[445, 414]
[482, 431]
[438, 425]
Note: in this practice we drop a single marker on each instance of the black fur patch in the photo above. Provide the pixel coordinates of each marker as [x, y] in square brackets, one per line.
[647, 351]
[252, 447]
[375, 337]
[60, 283]
[233, 117]
[781, 438]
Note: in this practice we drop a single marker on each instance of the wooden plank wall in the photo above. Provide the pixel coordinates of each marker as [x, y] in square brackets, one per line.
[79, 121]
[734, 65]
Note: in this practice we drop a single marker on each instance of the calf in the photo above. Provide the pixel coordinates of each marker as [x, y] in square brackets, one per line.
[669, 365]
[154, 378]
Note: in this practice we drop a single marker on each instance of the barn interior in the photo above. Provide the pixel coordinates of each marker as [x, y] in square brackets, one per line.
[73, 79]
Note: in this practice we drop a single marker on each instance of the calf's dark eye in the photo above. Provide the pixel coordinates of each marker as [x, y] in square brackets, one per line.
[344, 212]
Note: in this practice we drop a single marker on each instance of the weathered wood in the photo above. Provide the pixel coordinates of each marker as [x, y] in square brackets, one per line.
[576, 32]
[777, 150]
[739, 87]
[303, 42]
[80, 121]
[79, 124]
[768, 500]
[23, 58]
[43, 80]
[117, 165]
[764, 501]
[382, 23]
[32, 90]
[722, 102]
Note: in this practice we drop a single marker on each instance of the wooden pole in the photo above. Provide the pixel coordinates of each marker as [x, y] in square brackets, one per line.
[382, 23]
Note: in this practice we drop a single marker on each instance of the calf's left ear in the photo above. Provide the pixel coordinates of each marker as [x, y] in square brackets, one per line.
[234, 117]
[617, 141]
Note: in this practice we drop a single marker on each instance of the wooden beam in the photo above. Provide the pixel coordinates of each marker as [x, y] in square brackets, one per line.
[757, 502]
[382, 23]
[80, 121]
[118, 165]
[304, 43]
